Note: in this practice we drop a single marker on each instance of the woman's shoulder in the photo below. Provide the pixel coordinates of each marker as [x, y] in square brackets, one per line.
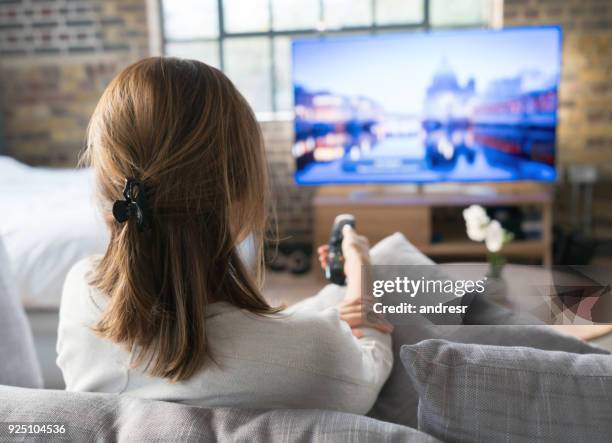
[78, 296]
[83, 266]
[324, 325]
[79, 277]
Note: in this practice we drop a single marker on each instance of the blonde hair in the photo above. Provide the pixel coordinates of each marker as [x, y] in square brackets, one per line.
[183, 130]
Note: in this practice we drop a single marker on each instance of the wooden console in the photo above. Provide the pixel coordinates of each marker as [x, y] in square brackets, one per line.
[381, 210]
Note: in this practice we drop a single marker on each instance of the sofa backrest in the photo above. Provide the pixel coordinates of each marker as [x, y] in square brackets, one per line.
[109, 417]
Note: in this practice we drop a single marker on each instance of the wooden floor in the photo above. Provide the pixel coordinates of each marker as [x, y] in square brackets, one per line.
[286, 288]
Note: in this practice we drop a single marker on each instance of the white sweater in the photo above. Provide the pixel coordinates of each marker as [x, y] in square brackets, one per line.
[305, 357]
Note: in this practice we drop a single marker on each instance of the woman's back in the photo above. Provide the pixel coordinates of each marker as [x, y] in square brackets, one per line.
[300, 358]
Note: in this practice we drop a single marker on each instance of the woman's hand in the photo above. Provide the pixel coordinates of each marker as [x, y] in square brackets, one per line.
[356, 308]
[323, 250]
[356, 252]
[358, 313]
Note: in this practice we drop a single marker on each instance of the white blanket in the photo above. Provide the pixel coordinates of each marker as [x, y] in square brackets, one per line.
[48, 222]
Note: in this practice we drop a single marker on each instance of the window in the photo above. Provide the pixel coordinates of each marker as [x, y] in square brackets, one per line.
[250, 40]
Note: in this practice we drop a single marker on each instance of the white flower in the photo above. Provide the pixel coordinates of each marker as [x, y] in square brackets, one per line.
[476, 221]
[494, 236]
[476, 215]
[476, 232]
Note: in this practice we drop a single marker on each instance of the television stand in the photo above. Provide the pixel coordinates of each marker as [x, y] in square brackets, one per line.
[411, 209]
[421, 189]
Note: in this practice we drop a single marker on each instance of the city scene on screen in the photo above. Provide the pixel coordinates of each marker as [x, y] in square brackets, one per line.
[457, 106]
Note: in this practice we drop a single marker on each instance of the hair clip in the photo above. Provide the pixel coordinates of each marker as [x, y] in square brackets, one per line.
[135, 205]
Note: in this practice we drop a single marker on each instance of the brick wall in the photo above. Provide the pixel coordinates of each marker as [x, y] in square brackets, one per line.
[56, 57]
[293, 203]
[585, 95]
[585, 112]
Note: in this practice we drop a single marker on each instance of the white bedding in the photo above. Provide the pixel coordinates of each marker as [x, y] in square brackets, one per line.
[48, 222]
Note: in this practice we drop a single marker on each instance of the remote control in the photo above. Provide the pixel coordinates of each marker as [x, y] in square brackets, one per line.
[334, 271]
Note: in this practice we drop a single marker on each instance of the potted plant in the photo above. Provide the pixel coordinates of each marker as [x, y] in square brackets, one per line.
[481, 228]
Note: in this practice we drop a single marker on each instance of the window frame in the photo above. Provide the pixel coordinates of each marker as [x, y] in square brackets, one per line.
[271, 34]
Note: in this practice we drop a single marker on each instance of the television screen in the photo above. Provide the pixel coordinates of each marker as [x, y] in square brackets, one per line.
[459, 106]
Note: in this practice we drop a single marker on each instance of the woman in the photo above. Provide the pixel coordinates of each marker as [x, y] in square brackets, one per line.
[170, 312]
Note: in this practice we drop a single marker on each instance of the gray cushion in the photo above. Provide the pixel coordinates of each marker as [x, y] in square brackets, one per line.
[18, 363]
[398, 400]
[109, 417]
[471, 393]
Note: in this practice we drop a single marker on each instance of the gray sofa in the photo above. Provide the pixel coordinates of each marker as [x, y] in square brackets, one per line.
[396, 415]
[107, 417]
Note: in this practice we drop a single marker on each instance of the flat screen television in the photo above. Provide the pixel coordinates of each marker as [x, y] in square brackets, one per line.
[448, 106]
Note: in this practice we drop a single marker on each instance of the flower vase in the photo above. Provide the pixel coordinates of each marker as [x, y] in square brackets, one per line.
[496, 286]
